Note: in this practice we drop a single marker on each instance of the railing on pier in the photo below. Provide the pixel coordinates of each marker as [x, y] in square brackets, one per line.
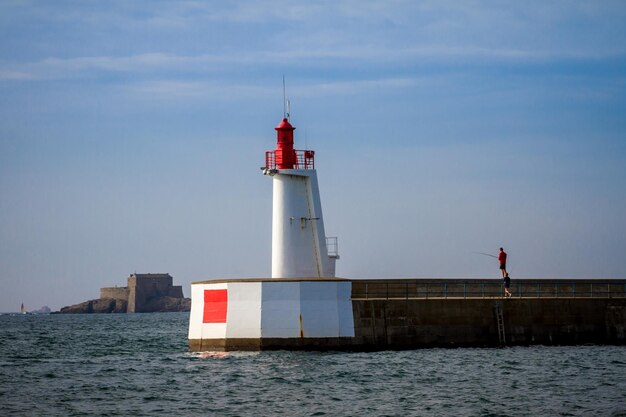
[428, 288]
[303, 159]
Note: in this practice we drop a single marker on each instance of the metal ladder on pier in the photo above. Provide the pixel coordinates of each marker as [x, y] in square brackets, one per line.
[500, 321]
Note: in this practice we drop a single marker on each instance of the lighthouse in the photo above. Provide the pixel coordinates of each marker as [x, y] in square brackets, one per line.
[300, 248]
[302, 305]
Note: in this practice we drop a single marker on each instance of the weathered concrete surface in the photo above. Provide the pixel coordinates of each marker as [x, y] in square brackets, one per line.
[416, 323]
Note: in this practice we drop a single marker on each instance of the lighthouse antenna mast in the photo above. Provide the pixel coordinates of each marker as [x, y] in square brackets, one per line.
[286, 103]
[284, 99]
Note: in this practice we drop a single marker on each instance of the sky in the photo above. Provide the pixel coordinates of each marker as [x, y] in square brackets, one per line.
[132, 133]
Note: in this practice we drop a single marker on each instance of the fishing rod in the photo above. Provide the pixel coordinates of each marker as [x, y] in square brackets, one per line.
[486, 254]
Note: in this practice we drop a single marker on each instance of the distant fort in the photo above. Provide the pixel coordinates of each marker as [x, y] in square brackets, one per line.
[145, 293]
[143, 288]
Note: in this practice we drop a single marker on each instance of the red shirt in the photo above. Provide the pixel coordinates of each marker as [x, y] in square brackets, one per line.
[502, 257]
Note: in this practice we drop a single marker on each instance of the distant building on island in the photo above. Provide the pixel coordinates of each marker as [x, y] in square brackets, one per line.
[143, 288]
[144, 293]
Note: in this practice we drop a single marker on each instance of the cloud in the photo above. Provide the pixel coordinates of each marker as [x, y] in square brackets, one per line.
[16, 75]
[174, 89]
[78, 67]
[128, 63]
[353, 87]
[466, 53]
[205, 38]
[68, 68]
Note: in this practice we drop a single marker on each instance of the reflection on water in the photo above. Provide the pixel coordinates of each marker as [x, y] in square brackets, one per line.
[213, 355]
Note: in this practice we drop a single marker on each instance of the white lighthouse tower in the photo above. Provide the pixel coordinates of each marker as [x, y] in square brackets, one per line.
[300, 248]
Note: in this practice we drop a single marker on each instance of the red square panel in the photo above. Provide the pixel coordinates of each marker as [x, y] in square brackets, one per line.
[215, 306]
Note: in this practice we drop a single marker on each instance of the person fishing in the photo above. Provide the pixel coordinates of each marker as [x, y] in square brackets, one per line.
[502, 260]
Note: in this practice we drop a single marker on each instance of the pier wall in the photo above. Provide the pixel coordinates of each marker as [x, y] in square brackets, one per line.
[398, 324]
[422, 313]
[407, 313]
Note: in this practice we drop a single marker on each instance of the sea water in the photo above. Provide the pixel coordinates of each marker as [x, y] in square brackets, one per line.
[138, 365]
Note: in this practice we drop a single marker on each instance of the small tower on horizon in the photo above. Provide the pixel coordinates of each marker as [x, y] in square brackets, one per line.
[300, 248]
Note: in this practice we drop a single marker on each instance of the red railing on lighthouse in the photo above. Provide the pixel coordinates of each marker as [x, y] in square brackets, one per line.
[302, 159]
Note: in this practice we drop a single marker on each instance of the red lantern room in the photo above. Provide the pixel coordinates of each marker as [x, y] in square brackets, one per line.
[285, 154]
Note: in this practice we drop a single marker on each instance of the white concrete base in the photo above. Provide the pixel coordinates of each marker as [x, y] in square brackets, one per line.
[271, 309]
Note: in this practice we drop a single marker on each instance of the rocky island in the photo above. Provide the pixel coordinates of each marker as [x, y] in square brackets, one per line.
[145, 293]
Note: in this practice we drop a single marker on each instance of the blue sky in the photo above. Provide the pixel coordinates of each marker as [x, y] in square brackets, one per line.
[131, 136]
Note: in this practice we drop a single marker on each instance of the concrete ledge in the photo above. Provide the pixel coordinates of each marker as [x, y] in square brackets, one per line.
[229, 280]
[224, 345]
[487, 288]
